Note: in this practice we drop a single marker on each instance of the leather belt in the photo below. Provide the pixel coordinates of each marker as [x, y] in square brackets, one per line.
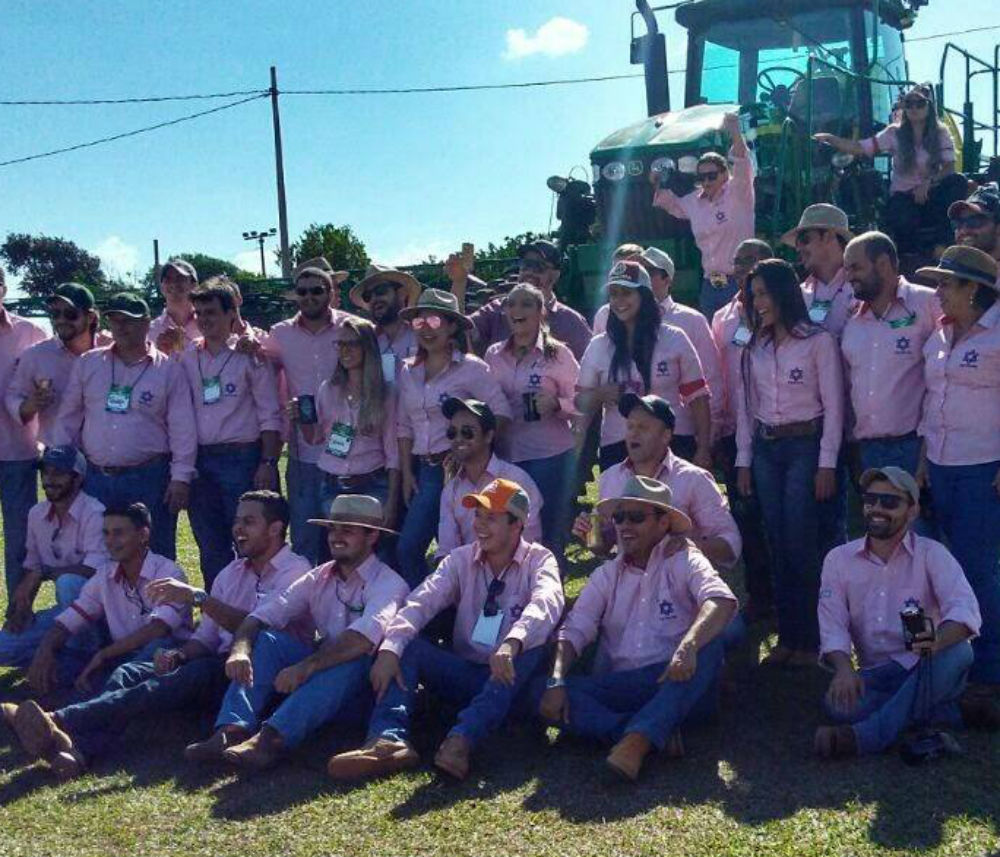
[435, 459]
[224, 448]
[117, 470]
[890, 438]
[806, 428]
[354, 482]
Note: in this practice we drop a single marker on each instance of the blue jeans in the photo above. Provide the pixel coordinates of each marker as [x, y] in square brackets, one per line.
[215, 493]
[784, 471]
[71, 662]
[18, 493]
[378, 488]
[712, 299]
[891, 701]
[968, 509]
[485, 702]
[606, 707]
[17, 650]
[421, 523]
[303, 483]
[833, 512]
[341, 693]
[145, 484]
[556, 478]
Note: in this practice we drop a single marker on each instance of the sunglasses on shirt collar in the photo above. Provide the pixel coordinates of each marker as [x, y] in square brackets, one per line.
[493, 593]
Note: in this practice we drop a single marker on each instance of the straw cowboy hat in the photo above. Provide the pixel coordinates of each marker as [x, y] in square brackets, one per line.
[441, 302]
[357, 510]
[822, 215]
[966, 263]
[651, 491]
[384, 274]
[336, 277]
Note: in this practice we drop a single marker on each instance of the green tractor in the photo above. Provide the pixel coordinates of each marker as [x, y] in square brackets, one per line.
[789, 68]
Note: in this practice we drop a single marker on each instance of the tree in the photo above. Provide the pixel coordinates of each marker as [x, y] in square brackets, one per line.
[341, 247]
[43, 263]
[507, 249]
[206, 266]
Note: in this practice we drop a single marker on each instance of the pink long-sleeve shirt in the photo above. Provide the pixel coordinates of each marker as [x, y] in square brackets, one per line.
[532, 601]
[76, 539]
[731, 335]
[884, 362]
[829, 304]
[860, 598]
[401, 346]
[165, 322]
[369, 451]
[641, 614]
[961, 419]
[17, 335]
[800, 380]
[886, 142]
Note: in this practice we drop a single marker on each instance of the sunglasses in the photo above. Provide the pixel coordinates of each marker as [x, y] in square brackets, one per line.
[349, 343]
[467, 432]
[431, 322]
[805, 237]
[380, 291]
[533, 265]
[915, 103]
[493, 593]
[315, 291]
[708, 176]
[635, 516]
[973, 221]
[65, 314]
[889, 502]
[745, 261]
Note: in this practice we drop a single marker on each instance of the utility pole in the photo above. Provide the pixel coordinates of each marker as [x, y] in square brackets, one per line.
[156, 259]
[260, 237]
[279, 167]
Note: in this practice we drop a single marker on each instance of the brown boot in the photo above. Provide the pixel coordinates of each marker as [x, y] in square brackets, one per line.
[380, 757]
[835, 742]
[259, 752]
[452, 756]
[37, 731]
[626, 757]
[67, 764]
[212, 748]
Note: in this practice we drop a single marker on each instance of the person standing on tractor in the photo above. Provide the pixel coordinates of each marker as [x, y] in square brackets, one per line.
[721, 214]
[924, 182]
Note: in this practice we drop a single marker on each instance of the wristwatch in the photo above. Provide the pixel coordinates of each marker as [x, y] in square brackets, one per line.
[553, 683]
[200, 597]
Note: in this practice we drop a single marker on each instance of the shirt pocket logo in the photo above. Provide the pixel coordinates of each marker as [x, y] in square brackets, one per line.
[229, 389]
[663, 368]
[970, 360]
[146, 397]
[903, 345]
[667, 610]
[534, 380]
[796, 375]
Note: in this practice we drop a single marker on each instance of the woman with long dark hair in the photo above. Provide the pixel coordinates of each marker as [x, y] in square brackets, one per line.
[639, 354]
[924, 182]
[790, 417]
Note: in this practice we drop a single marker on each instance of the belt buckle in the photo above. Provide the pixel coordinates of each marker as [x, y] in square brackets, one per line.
[718, 281]
[345, 482]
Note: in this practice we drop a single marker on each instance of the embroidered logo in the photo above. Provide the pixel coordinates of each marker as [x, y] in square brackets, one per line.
[971, 358]
[720, 217]
[663, 368]
[795, 376]
[230, 389]
[145, 397]
[442, 398]
[903, 345]
[534, 380]
[911, 603]
[667, 609]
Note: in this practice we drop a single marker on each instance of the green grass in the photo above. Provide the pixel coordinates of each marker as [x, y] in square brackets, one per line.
[748, 786]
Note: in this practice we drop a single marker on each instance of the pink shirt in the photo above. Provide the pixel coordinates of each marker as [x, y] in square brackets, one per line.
[557, 376]
[164, 322]
[367, 452]
[731, 334]
[640, 615]
[694, 492]
[829, 304]
[77, 539]
[17, 335]
[884, 362]
[418, 410]
[455, 527]
[238, 586]
[107, 595]
[246, 402]
[860, 598]
[159, 420]
[719, 225]
[364, 603]
[305, 360]
[51, 360]
[676, 374]
[401, 346]
[532, 601]
[961, 421]
[886, 142]
[796, 382]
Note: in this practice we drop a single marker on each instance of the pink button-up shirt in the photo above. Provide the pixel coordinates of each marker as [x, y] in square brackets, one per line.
[160, 418]
[884, 362]
[17, 335]
[455, 526]
[401, 346]
[830, 304]
[532, 601]
[641, 615]
[694, 492]
[248, 400]
[676, 374]
[368, 452]
[240, 587]
[418, 409]
[305, 361]
[725, 324]
[165, 322]
[961, 421]
[364, 603]
[76, 539]
[719, 225]
[800, 380]
[534, 373]
[860, 598]
[886, 142]
[107, 595]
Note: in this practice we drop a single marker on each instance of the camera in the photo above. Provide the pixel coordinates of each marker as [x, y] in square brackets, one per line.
[307, 410]
[530, 404]
[915, 624]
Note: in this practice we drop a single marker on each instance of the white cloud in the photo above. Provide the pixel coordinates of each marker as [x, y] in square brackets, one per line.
[117, 258]
[249, 260]
[555, 38]
[414, 252]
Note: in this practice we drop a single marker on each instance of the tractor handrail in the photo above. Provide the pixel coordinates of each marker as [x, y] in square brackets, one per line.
[968, 120]
[654, 9]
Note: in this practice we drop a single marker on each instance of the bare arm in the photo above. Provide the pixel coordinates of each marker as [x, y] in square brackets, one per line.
[841, 144]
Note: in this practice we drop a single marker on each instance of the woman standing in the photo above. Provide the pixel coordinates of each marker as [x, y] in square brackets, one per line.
[639, 354]
[961, 431]
[538, 375]
[440, 370]
[790, 421]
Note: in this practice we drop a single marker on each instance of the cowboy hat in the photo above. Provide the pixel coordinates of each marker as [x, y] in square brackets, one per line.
[385, 274]
[966, 263]
[356, 510]
[651, 491]
[436, 300]
[822, 215]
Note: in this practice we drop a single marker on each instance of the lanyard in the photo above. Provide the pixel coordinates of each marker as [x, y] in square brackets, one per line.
[223, 369]
[351, 608]
[137, 380]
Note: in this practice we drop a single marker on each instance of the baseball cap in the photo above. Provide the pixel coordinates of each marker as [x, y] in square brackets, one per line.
[985, 200]
[480, 410]
[653, 405]
[127, 304]
[66, 458]
[896, 476]
[73, 293]
[181, 266]
[657, 258]
[629, 274]
[501, 495]
[546, 249]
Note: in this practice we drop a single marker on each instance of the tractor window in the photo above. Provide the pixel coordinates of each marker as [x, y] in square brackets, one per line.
[721, 81]
[890, 64]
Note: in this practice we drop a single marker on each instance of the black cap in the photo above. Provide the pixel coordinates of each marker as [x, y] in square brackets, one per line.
[653, 405]
[127, 304]
[985, 200]
[546, 249]
[73, 293]
[480, 410]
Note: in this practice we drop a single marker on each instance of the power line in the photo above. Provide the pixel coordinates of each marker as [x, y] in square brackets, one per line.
[132, 133]
[460, 87]
[147, 100]
[953, 33]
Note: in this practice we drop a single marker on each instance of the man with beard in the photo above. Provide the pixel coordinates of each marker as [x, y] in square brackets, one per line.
[866, 585]
[175, 328]
[976, 220]
[381, 295]
[882, 344]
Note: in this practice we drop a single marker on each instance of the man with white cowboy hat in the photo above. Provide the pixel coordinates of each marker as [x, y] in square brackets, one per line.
[658, 613]
[381, 295]
[349, 601]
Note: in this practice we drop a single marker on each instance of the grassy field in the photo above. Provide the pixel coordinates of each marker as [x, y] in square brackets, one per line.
[748, 786]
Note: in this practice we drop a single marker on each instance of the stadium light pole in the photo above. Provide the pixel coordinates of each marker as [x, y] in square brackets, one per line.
[260, 237]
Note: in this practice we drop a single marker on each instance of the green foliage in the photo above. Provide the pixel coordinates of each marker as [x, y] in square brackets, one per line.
[507, 249]
[43, 263]
[206, 266]
[341, 247]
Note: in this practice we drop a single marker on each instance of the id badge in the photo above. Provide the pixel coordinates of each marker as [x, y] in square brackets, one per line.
[389, 367]
[819, 311]
[487, 630]
[742, 335]
[119, 399]
[211, 390]
[341, 437]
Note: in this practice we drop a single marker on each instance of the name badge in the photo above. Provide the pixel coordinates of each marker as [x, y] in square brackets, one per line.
[908, 321]
[742, 335]
[819, 311]
[389, 367]
[211, 390]
[341, 437]
[487, 630]
[119, 399]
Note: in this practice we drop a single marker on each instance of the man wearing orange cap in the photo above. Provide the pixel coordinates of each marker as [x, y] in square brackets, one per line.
[508, 598]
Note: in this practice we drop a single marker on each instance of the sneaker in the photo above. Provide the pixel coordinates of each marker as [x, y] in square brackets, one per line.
[626, 757]
[380, 757]
[259, 752]
[452, 756]
[835, 742]
[212, 748]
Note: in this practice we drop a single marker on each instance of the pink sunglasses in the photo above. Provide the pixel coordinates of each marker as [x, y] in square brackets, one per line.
[431, 322]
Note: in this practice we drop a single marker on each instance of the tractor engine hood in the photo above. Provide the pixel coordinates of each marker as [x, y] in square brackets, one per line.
[677, 132]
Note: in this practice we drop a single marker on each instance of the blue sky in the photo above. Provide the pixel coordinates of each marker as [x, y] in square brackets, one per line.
[412, 174]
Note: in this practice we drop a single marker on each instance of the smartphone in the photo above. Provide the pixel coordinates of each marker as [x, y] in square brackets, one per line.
[307, 410]
[531, 414]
